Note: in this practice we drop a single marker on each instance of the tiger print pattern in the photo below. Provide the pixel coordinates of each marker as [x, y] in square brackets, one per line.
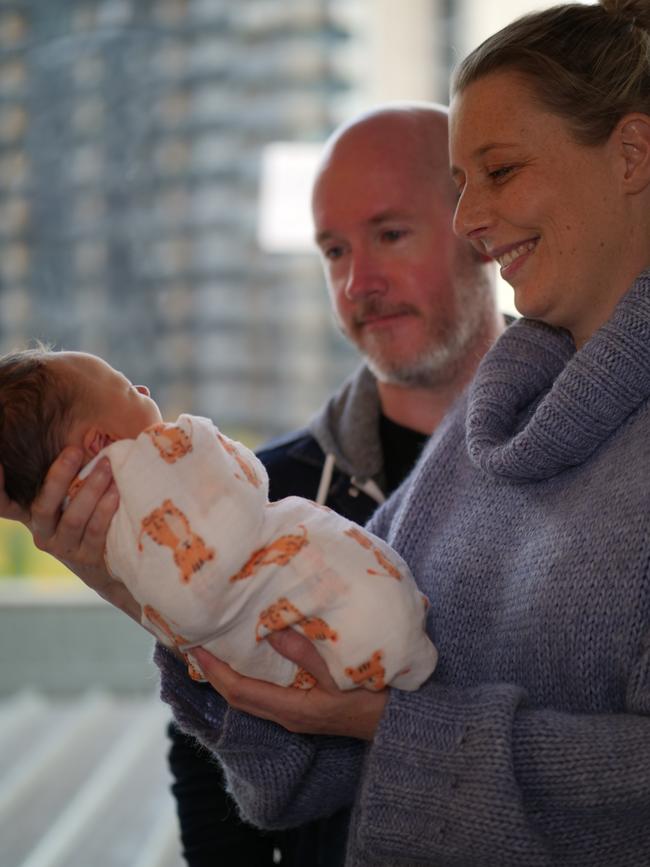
[168, 526]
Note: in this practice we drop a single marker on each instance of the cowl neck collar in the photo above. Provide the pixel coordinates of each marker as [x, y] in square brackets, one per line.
[538, 407]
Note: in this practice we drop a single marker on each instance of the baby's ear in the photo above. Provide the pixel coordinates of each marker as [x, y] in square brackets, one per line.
[95, 440]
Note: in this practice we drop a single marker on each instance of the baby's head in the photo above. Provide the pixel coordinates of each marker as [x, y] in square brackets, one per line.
[49, 400]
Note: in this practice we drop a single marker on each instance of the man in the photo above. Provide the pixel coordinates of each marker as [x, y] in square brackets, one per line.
[419, 305]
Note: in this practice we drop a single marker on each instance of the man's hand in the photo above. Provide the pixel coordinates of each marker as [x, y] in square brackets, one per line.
[324, 710]
[76, 536]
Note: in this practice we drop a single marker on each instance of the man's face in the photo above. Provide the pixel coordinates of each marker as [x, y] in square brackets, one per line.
[404, 290]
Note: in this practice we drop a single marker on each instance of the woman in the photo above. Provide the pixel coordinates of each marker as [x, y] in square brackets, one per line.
[525, 521]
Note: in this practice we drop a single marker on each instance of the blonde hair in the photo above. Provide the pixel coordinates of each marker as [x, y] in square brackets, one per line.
[587, 64]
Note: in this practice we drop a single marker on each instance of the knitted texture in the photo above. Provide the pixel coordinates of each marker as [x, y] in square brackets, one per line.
[581, 404]
[526, 525]
[290, 767]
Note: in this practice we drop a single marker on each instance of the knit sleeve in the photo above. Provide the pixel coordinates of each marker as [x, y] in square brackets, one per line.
[476, 776]
[454, 776]
[278, 779]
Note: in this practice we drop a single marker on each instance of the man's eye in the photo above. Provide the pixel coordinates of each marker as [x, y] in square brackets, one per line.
[392, 234]
[333, 252]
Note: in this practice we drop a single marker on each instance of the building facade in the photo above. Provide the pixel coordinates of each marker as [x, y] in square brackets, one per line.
[131, 141]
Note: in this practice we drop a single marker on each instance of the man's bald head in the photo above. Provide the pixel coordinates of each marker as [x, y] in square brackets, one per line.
[413, 133]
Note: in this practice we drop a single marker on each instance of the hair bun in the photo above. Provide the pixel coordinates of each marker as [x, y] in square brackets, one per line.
[636, 11]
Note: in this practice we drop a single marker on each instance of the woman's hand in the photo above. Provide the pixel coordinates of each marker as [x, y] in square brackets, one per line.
[324, 709]
[76, 536]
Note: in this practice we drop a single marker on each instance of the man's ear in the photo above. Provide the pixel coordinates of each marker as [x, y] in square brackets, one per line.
[94, 440]
[633, 139]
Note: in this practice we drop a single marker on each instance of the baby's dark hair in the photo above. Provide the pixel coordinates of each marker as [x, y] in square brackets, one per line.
[35, 413]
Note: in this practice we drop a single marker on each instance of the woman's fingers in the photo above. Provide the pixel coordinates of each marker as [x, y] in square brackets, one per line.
[77, 535]
[243, 693]
[297, 648]
[354, 713]
[94, 538]
[63, 533]
[46, 508]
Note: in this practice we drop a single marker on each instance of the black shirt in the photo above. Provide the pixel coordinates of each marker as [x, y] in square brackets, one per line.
[401, 448]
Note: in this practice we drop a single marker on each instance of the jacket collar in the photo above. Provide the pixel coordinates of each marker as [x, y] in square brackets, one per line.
[348, 427]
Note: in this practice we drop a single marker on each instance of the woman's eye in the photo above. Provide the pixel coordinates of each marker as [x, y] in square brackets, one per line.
[500, 173]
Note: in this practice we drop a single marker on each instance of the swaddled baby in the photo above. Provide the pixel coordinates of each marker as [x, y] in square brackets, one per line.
[198, 544]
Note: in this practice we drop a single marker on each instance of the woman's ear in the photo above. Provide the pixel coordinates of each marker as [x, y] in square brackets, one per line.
[94, 440]
[633, 139]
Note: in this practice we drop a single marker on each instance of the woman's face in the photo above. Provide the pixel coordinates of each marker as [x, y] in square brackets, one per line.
[547, 209]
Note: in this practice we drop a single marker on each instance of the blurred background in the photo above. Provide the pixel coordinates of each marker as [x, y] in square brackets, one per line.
[155, 164]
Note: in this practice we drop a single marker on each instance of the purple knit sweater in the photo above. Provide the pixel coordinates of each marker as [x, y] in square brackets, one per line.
[526, 523]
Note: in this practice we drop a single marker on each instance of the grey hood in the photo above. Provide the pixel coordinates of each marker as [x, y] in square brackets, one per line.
[348, 428]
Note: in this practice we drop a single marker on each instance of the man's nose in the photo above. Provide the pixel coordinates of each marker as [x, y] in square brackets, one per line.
[364, 277]
[143, 390]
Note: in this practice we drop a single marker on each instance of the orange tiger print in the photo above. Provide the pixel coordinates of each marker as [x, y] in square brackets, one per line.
[171, 441]
[356, 534]
[283, 613]
[370, 674]
[168, 526]
[244, 466]
[388, 567]
[363, 540]
[156, 618]
[317, 629]
[304, 680]
[279, 552]
[76, 485]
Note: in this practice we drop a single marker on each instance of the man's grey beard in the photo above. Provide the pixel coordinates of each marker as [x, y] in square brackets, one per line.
[439, 363]
[430, 370]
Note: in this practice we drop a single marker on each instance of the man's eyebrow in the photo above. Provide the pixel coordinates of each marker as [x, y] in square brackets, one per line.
[382, 217]
[325, 235]
[387, 216]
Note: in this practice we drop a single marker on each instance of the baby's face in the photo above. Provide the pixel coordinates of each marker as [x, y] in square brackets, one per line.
[120, 409]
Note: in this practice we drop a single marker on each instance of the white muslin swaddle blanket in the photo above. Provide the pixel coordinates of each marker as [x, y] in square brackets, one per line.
[213, 563]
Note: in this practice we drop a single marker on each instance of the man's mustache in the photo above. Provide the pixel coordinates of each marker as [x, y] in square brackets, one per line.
[374, 308]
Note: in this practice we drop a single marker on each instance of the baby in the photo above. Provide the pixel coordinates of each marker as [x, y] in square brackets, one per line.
[197, 542]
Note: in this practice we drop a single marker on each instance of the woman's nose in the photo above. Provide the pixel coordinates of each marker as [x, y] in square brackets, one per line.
[471, 216]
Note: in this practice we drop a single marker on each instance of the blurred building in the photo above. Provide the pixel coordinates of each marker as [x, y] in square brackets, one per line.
[131, 143]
